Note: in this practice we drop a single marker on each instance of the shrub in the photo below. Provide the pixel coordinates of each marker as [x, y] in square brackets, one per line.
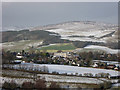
[54, 72]
[105, 85]
[6, 85]
[28, 85]
[119, 81]
[9, 85]
[105, 75]
[40, 84]
[90, 75]
[54, 85]
[80, 74]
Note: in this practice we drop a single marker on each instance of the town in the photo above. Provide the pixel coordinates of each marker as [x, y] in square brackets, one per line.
[83, 59]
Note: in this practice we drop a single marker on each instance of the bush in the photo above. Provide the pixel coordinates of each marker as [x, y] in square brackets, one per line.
[54, 85]
[9, 85]
[6, 85]
[90, 75]
[28, 85]
[86, 74]
[104, 75]
[119, 81]
[40, 84]
[80, 74]
[105, 85]
[54, 72]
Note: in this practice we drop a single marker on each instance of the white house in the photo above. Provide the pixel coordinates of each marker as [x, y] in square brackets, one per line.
[60, 54]
[95, 65]
[19, 56]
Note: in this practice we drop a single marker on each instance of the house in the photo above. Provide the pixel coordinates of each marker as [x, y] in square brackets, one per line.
[73, 63]
[110, 66]
[60, 54]
[19, 56]
[78, 65]
[116, 68]
[95, 65]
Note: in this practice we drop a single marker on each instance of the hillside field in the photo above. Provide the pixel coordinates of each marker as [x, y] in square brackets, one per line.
[62, 46]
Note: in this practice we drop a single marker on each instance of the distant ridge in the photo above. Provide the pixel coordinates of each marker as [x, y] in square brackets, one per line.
[52, 26]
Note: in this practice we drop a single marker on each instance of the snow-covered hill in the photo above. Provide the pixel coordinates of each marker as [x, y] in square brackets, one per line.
[83, 31]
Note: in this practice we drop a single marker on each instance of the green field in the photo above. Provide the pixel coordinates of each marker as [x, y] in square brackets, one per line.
[27, 44]
[53, 51]
[64, 46]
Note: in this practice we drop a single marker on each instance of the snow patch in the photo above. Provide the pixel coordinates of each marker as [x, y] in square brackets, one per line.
[106, 49]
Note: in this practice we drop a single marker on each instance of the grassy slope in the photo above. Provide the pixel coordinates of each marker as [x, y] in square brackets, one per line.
[64, 46]
[20, 45]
